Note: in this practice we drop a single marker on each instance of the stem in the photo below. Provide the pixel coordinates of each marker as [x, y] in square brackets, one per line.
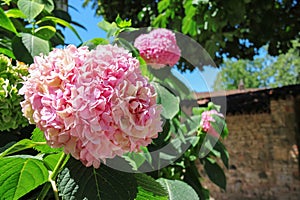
[52, 176]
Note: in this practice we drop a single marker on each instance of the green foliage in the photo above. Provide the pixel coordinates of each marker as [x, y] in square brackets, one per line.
[20, 174]
[11, 116]
[169, 101]
[178, 190]
[19, 146]
[6, 23]
[29, 167]
[29, 27]
[215, 173]
[236, 28]
[78, 182]
[38, 137]
[264, 71]
[150, 188]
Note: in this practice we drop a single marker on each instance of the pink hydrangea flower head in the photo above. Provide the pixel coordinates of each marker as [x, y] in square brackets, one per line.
[101, 106]
[158, 48]
[207, 119]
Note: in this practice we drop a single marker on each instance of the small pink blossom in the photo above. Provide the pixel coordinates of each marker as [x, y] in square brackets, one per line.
[207, 119]
[96, 104]
[158, 48]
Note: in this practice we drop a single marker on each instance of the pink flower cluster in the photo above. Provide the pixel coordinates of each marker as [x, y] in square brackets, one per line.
[96, 104]
[158, 48]
[207, 119]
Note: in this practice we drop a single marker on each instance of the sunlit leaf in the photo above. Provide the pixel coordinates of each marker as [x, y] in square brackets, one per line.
[149, 188]
[19, 146]
[35, 45]
[15, 13]
[178, 190]
[6, 23]
[30, 8]
[38, 136]
[45, 32]
[18, 176]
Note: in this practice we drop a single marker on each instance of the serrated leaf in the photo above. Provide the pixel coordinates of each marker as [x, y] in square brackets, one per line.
[6, 23]
[30, 8]
[178, 190]
[149, 188]
[146, 195]
[169, 101]
[215, 173]
[18, 176]
[35, 45]
[38, 136]
[79, 182]
[134, 159]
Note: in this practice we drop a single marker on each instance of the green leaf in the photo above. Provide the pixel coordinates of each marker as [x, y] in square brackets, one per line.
[61, 22]
[35, 45]
[18, 176]
[149, 188]
[134, 159]
[198, 110]
[178, 190]
[19, 146]
[144, 68]
[38, 136]
[15, 13]
[122, 23]
[20, 51]
[110, 28]
[163, 5]
[93, 43]
[45, 32]
[224, 153]
[30, 8]
[49, 4]
[7, 52]
[169, 101]
[51, 160]
[215, 173]
[6, 23]
[79, 182]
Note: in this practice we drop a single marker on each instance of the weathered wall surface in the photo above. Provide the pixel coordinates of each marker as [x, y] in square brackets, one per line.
[260, 148]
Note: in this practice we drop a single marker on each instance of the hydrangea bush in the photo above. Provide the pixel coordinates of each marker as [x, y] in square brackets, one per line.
[99, 114]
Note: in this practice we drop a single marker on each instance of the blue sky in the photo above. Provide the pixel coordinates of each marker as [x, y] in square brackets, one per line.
[197, 81]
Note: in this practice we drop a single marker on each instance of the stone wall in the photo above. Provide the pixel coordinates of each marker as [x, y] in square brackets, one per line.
[262, 165]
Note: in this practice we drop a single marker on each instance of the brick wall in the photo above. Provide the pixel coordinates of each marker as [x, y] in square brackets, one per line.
[261, 163]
